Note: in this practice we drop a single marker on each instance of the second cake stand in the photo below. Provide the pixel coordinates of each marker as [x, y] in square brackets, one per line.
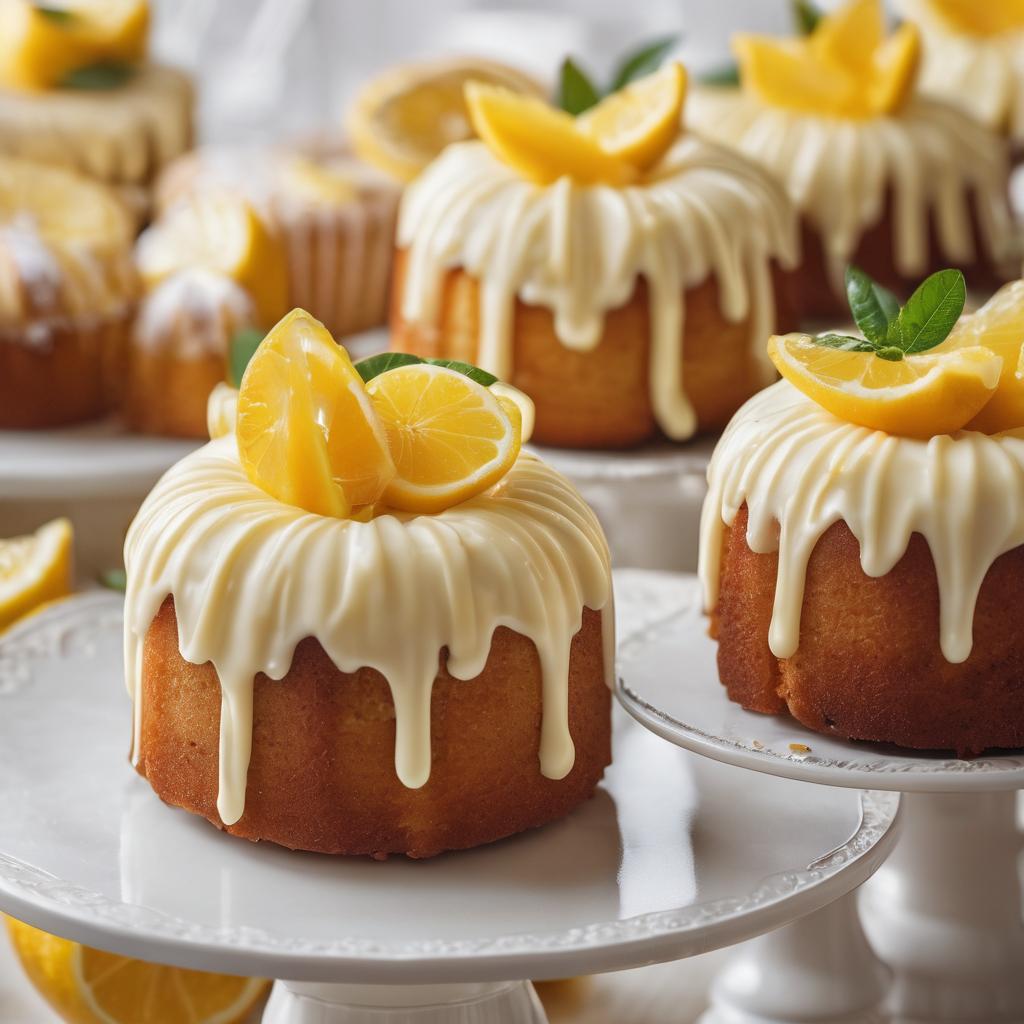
[944, 912]
[671, 858]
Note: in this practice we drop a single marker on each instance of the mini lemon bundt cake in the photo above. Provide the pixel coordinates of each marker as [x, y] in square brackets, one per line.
[621, 272]
[973, 57]
[896, 183]
[67, 296]
[334, 218]
[76, 90]
[361, 621]
[862, 542]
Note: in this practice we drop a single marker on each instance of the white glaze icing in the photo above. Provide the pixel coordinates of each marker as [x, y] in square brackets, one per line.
[798, 470]
[701, 212]
[933, 159]
[338, 247]
[984, 75]
[251, 577]
[196, 312]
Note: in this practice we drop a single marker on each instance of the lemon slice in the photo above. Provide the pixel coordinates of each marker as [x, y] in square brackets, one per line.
[87, 986]
[317, 183]
[450, 437]
[35, 569]
[541, 143]
[998, 326]
[895, 66]
[524, 407]
[307, 432]
[936, 392]
[850, 35]
[637, 124]
[403, 119]
[224, 234]
[42, 44]
[981, 17]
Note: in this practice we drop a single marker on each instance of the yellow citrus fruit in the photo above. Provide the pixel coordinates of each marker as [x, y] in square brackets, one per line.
[87, 986]
[936, 392]
[524, 407]
[850, 35]
[981, 17]
[222, 233]
[42, 44]
[541, 143]
[35, 569]
[318, 182]
[637, 124]
[403, 119]
[450, 437]
[895, 69]
[307, 432]
[999, 326]
[63, 206]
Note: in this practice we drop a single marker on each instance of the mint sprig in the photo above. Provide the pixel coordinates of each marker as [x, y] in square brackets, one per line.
[893, 331]
[374, 366]
[727, 76]
[59, 14]
[577, 91]
[98, 77]
[241, 348]
[806, 16]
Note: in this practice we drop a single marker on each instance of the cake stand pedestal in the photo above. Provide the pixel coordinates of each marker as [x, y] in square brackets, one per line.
[671, 858]
[944, 912]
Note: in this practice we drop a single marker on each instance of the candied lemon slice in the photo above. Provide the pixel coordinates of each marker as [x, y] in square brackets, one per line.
[936, 392]
[307, 432]
[403, 119]
[35, 569]
[450, 437]
[543, 144]
[999, 326]
[637, 124]
[981, 17]
[850, 35]
[41, 44]
[895, 69]
[224, 234]
[87, 986]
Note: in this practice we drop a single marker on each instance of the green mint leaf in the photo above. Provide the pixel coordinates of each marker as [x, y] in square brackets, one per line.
[806, 16]
[113, 579]
[58, 14]
[891, 352]
[874, 308]
[846, 342]
[724, 77]
[467, 370]
[930, 312]
[98, 77]
[643, 61]
[241, 349]
[374, 366]
[576, 92]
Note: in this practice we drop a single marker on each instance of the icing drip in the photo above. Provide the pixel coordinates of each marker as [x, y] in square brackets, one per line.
[194, 311]
[798, 470]
[983, 75]
[839, 173]
[251, 577]
[578, 250]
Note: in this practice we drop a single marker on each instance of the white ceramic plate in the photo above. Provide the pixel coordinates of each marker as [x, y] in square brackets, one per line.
[669, 682]
[674, 856]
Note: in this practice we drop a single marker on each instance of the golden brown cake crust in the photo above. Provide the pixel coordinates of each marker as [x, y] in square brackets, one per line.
[869, 666]
[72, 375]
[167, 395]
[601, 398]
[322, 773]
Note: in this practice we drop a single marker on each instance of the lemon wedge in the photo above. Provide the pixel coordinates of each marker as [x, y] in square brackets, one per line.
[403, 119]
[999, 327]
[981, 17]
[87, 986]
[224, 234]
[307, 432]
[451, 438]
[937, 392]
[42, 44]
[637, 124]
[541, 143]
[35, 570]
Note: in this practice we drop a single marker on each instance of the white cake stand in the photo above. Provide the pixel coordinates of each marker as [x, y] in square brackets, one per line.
[96, 474]
[674, 856]
[944, 912]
